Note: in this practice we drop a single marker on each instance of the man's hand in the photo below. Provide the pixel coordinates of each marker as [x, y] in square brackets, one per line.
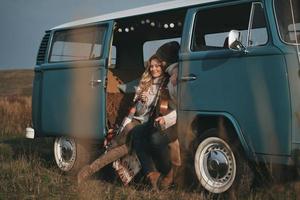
[173, 78]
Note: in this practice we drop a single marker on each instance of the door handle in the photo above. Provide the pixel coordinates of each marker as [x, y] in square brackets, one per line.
[190, 77]
[95, 83]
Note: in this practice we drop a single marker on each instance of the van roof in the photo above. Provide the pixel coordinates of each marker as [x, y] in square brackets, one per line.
[136, 11]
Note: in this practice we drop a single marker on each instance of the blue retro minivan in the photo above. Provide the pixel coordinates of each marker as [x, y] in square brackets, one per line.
[238, 83]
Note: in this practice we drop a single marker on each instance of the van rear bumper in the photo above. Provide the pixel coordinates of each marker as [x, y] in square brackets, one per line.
[30, 133]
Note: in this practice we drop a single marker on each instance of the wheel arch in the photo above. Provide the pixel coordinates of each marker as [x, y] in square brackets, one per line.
[224, 121]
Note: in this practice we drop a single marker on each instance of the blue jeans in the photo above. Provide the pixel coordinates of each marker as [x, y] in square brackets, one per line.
[151, 146]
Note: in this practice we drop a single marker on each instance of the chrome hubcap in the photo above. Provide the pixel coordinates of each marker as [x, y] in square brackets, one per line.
[65, 153]
[215, 165]
[218, 163]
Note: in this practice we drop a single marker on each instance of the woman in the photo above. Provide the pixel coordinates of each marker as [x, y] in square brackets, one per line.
[147, 94]
[138, 119]
[151, 143]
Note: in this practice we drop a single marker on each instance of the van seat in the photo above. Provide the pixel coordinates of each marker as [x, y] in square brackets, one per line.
[117, 77]
[117, 102]
[117, 106]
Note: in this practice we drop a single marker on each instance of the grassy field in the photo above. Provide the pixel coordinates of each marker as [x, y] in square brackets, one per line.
[29, 172]
[16, 82]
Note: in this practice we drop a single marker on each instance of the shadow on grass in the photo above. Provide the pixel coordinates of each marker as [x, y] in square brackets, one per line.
[40, 147]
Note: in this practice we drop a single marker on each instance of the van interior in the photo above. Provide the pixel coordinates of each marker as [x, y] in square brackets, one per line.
[135, 39]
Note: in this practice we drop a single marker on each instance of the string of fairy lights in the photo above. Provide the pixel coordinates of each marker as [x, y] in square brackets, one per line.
[148, 22]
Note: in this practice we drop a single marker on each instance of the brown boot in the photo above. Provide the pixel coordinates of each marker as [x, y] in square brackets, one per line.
[167, 181]
[153, 179]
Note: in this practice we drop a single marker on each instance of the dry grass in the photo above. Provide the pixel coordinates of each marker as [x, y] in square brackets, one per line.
[29, 172]
[15, 114]
[15, 101]
[16, 82]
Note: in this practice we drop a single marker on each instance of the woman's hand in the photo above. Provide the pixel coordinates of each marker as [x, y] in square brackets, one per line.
[161, 121]
[144, 97]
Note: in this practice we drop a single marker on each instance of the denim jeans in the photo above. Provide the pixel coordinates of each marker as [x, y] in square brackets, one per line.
[151, 146]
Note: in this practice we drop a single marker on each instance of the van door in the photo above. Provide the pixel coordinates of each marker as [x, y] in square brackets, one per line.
[73, 82]
[250, 86]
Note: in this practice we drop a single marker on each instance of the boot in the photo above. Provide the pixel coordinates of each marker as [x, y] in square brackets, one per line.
[153, 179]
[167, 181]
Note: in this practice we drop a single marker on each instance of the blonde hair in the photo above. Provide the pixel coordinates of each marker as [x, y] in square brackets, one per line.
[147, 79]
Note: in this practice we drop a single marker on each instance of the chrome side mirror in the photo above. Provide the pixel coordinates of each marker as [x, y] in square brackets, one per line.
[235, 41]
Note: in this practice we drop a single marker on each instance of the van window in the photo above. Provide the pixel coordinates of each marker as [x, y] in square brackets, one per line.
[212, 26]
[112, 57]
[77, 44]
[150, 47]
[288, 20]
[258, 34]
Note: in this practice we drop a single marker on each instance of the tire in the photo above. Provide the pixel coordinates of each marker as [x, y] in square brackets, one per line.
[71, 154]
[221, 167]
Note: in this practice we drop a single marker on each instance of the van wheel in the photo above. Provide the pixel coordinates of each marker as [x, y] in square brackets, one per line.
[70, 154]
[220, 167]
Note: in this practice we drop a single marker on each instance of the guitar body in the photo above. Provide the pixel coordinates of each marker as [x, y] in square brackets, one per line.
[163, 103]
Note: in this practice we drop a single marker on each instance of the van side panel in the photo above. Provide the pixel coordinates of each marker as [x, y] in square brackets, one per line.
[251, 87]
[254, 92]
[294, 80]
[36, 94]
[293, 73]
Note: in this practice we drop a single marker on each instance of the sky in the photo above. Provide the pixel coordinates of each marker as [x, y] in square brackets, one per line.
[23, 23]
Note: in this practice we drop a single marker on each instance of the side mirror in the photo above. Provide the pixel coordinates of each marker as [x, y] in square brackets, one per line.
[235, 41]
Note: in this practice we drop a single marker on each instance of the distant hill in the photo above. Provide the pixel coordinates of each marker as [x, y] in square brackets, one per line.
[16, 82]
